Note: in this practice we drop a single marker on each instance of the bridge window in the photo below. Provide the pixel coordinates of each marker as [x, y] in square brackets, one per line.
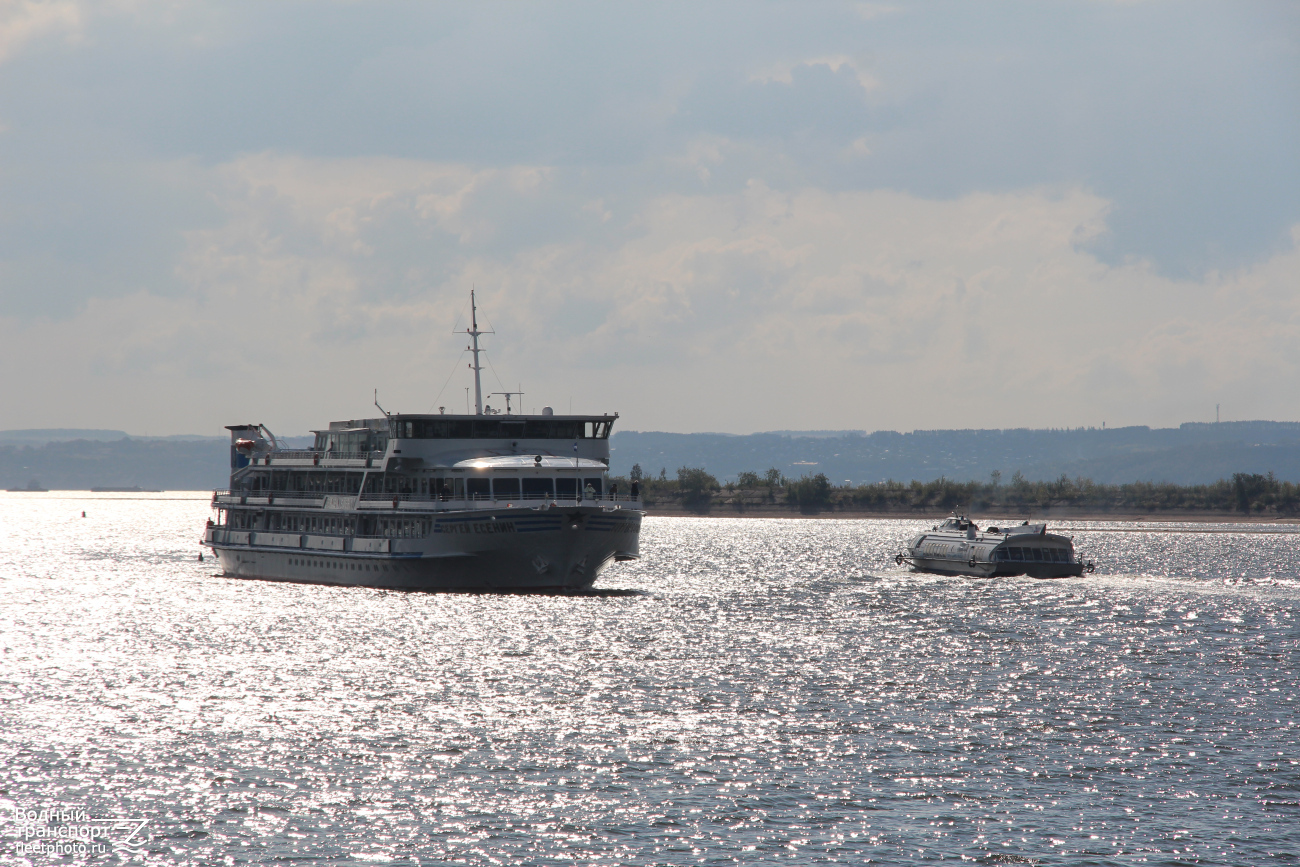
[537, 489]
[553, 430]
[506, 489]
[478, 489]
[485, 428]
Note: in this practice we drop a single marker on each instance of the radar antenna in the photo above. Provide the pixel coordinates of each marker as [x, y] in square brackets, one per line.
[507, 395]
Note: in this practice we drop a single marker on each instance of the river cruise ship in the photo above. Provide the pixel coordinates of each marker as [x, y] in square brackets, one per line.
[481, 502]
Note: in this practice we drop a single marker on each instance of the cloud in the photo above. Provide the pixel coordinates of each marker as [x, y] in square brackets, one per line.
[1186, 123]
[785, 72]
[713, 214]
[24, 21]
[738, 311]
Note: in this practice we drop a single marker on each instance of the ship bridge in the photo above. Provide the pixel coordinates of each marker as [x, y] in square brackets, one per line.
[407, 440]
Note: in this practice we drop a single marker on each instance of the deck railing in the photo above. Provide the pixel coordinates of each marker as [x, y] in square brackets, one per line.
[314, 455]
[433, 501]
[487, 498]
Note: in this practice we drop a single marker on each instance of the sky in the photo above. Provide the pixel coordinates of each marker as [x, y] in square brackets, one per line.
[705, 217]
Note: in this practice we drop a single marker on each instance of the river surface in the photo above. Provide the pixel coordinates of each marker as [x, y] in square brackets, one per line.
[751, 692]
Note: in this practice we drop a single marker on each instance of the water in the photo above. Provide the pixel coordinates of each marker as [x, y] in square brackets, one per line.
[753, 691]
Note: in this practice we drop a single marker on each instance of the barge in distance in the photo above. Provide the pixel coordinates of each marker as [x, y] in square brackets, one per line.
[482, 502]
[959, 547]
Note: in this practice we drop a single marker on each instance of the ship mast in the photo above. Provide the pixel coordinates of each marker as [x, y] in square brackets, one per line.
[473, 332]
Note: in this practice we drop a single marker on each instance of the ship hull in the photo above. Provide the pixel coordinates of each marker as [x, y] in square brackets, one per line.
[500, 551]
[998, 570]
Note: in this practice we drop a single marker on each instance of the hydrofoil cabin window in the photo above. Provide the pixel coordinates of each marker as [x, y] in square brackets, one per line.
[537, 489]
[506, 489]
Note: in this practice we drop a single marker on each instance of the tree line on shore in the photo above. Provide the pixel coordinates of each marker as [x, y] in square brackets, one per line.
[695, 489]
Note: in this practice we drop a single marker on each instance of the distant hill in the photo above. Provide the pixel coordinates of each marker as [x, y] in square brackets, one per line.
[41, 436]
[178, 465]
[58, 460]
[1193, 453]
[1190, 454]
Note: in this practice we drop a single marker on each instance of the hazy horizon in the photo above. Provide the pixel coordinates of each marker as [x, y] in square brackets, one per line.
[9, 436]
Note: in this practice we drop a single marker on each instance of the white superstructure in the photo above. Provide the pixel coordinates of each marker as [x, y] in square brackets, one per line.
[487, 501]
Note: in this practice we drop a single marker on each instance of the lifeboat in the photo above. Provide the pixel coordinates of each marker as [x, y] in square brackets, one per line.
[959, 547]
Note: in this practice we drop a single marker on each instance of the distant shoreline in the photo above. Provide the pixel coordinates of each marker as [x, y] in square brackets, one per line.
[1051, 516]
[982, 517]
